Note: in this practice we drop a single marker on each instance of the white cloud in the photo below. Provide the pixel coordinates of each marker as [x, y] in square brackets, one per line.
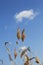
[28, 14]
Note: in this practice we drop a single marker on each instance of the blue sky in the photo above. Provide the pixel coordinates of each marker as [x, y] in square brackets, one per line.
[9, 25]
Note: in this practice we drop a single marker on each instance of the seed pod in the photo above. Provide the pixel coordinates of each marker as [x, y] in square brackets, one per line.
[18, 33]
[15, 53]
[37, 60]
[23, 35]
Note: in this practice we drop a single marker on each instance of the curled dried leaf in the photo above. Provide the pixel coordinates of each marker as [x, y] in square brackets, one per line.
[24, 51]
[27, 63]
[10, 58]
[6, 43]
[32, 58]
[26, 57]
[8, 50]
[29, 49]
[16, 42]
